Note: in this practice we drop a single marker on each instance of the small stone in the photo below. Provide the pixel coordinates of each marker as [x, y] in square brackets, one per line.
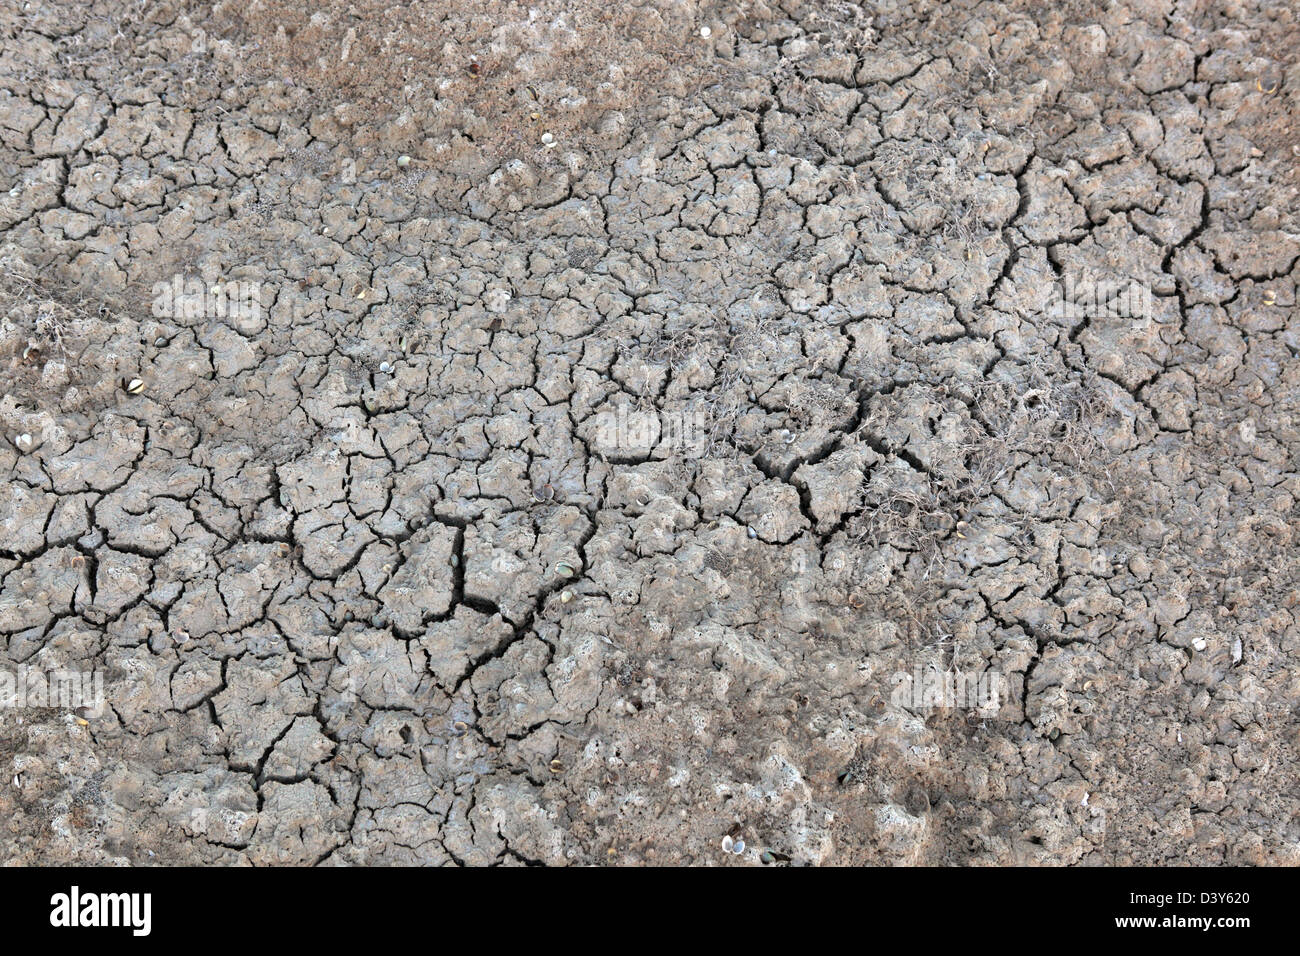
[23, 442]
[403, 160]
[705, 32]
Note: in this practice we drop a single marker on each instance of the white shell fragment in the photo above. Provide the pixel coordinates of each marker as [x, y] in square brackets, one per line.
[705, 32]
[134, 387]
[727, 844]
[23, 442]
[548, 141]
[1236, 650]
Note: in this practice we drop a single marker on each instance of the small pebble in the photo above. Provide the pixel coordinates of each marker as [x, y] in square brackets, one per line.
[727, 844]
[24, 442]
[403, 160]
[706, 32]
[548, 140]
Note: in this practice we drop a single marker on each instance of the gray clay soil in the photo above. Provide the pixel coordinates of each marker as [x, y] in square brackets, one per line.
[367, 574]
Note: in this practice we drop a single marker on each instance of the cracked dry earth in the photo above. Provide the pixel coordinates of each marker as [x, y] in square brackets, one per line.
[318, 554]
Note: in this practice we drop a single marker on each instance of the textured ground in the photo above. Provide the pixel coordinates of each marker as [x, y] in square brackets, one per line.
[318, 554]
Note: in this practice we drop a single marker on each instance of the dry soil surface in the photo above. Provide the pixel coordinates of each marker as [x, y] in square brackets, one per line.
[622, 399]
